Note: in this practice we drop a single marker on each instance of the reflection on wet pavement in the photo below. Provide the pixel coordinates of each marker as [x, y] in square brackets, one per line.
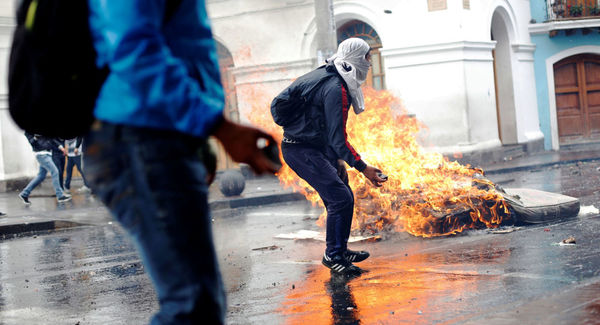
[460, 280]
[93, 275]
[90, 276]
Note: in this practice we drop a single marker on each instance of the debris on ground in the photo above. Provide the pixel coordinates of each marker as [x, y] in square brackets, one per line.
[587, 210]
[503, 230]
[270, 248]
[568, 241]
[304, 234]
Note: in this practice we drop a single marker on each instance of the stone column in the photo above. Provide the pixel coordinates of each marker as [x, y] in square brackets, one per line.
[326, 38]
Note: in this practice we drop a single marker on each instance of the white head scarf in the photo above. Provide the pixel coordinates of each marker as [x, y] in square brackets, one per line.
[352, 65]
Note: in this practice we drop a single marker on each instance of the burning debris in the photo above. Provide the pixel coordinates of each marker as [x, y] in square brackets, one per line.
[426, 194]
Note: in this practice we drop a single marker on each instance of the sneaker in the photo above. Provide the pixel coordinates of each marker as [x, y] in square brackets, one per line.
[84, 189]
[340, 265]
[25, 199]
[67, 191]
[356, 256]
[64, 198]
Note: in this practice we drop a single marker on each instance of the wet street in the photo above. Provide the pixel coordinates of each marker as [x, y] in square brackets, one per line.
[92, 275]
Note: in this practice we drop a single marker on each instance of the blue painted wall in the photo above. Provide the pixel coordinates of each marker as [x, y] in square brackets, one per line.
[545, 48]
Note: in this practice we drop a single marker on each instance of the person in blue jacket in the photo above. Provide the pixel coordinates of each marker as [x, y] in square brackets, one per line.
[316, 147]
[159, 104]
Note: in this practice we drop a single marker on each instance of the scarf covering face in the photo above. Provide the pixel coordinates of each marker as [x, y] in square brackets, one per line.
[352, 65]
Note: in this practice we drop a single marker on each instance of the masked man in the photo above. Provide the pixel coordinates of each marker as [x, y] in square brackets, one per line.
[315, 146]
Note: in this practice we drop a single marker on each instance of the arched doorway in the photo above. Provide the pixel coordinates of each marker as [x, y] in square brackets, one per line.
[577, 91]
[230, 110]
[228, 81]
[503, 78]
[356, 28]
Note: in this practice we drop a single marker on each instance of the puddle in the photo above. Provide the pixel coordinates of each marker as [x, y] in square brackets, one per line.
[35, 228]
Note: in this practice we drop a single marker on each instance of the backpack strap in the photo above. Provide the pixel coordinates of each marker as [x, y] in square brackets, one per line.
[310, 92]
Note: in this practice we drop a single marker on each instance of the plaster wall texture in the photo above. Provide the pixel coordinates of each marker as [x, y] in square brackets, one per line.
[16, 157]
[438, 62]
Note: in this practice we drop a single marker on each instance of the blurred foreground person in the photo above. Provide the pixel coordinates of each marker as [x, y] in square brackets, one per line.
[316, 146]
[160, 102]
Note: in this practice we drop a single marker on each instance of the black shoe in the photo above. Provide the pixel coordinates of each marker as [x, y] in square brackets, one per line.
[340, 265]
[356, 256]
[25, 199]
[64, 198]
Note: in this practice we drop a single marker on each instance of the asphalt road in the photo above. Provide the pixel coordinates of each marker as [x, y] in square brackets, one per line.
[92, 275]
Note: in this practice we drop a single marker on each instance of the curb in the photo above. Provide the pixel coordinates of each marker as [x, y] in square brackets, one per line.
[255, 201]
[502, 170]
[12, 230]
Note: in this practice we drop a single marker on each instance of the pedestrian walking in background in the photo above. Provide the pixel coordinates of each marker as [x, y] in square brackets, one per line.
[58, 157]
[316, 147]
[73, 147]
[159, 104]
[42, 147]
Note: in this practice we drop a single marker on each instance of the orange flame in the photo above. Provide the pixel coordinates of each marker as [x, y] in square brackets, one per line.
[426, 195]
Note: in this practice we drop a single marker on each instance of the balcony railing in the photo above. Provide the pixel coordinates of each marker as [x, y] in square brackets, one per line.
[572, 9]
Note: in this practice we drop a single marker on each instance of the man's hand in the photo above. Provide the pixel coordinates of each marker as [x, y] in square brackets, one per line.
[341, 170]
[372, 174]
[240, 142]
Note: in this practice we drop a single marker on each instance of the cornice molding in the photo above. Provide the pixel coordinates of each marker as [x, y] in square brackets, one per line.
[439, 53]
[545, 28]
[272, 72]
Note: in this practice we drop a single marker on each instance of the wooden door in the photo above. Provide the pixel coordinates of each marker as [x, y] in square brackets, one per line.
[577, 88]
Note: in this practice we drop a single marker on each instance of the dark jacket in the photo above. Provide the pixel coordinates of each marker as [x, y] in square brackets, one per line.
[324, 123]
[42, 143]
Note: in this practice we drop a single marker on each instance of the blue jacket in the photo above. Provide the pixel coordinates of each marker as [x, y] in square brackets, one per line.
[163, 76]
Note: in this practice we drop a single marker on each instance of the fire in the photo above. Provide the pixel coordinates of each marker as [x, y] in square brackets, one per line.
[426, 195]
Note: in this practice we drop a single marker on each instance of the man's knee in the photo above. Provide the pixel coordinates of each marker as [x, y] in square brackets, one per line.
[340, 200]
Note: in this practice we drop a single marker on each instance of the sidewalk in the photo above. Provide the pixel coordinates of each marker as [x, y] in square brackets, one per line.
[45, 214]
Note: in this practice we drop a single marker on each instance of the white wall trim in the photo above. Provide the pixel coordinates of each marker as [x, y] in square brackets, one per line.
[7, 25]
[274, 72]
[279, 8]
[504, 9]
[524, 52]
[550, 61]
[359, 10]
[439, 53]
[545, 28]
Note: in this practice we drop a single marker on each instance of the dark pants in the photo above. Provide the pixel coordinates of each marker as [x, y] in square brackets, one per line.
[320, 171]
[59, 160]
[154, 184]
[72, 162]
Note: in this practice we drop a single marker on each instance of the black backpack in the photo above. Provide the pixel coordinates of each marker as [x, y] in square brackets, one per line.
[294, 100]
[53, 80]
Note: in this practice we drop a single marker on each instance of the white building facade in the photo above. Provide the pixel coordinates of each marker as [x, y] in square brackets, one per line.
[464, 68]
[17, 161]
